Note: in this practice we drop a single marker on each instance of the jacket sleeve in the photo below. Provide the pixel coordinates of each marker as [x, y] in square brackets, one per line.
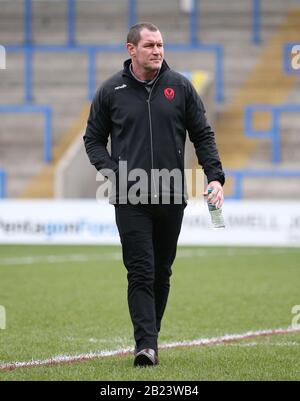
[202, 136]
[97, 133]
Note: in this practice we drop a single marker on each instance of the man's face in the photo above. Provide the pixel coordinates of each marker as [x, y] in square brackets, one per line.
[148, 54]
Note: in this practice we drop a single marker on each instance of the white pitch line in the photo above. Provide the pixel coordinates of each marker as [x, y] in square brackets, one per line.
[228, 338]
[117, 256]
[268, 344]
[29, 260]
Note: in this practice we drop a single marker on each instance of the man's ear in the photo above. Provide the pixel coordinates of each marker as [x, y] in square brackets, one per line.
[131, 49]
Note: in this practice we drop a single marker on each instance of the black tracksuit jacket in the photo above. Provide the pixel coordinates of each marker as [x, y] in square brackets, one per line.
[148, 130]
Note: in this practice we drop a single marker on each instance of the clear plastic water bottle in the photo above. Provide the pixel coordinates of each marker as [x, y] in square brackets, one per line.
[216, 215]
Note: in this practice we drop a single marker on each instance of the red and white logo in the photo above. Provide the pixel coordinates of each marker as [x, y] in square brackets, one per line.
[169, 93]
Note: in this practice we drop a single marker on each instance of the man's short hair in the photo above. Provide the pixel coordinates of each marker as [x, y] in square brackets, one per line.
[134, 34]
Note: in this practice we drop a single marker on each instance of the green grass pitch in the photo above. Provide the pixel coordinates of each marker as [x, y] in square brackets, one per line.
[70, 300]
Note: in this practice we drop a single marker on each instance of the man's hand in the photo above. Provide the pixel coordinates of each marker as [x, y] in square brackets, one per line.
[216, 197]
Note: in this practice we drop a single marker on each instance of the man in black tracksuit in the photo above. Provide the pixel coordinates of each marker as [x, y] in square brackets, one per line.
[146, 110]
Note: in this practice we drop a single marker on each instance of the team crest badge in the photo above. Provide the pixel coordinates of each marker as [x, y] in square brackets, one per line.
[169, 93]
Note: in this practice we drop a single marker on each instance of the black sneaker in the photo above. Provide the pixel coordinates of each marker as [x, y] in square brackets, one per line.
[146, 357]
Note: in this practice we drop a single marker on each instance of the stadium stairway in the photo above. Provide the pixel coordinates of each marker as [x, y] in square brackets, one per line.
[266, 83]
[60, 79]
[41, 185]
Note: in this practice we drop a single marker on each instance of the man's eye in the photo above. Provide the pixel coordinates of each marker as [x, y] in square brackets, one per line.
[149, 46]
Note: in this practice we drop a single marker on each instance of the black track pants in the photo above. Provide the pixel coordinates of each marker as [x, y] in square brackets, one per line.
[149, 235]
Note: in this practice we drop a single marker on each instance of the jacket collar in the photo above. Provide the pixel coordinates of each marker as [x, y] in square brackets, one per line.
[126, 71]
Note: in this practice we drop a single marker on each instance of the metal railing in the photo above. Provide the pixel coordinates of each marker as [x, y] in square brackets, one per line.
[240, 175]
[256, 21]
[70, 20]
[3, 180]
[91, 51]
[132, 19]
[273, 133]
[46, 111]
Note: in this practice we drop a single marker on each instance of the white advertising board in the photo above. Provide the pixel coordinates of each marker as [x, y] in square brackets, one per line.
[248, 223]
